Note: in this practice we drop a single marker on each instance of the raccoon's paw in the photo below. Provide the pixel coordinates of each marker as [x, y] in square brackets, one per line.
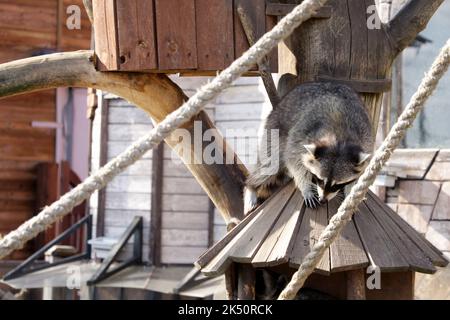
[250, 200]
[311, 198]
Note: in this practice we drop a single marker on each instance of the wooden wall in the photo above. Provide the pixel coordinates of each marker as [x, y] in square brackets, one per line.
[188, 225]
[29, 28]
[169, 36]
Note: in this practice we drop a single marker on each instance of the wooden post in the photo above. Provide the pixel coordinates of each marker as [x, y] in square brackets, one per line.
[103, 159]
[345, 49]
[356, 285]
[246, 282]
[156, 205]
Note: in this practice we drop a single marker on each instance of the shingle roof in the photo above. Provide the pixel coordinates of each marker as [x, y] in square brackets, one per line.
[282, 230]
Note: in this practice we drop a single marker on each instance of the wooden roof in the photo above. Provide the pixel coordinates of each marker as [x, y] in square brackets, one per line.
[283, 230]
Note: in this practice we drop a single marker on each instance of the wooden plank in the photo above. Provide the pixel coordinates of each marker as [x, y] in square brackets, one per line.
[312, 225]
[414, 163]
[103, 159]
[127, 201]
[282, 9]
[215, 39]
[251, 240]
[184, 238]
[347, 251]
[221, 244]
[339, 26]
[255, 10]
[278, 244]
[409, 250]
[271, 21]
[361, 86]
[441, 209]
[358, 57]
[17, 195]
[394, 286]
[176, 36]
[356, 285]
[179, 202]
[105, 34]
[70, 40]
[180, 254]
[216, 260]
[430, 250]
[157, 204]
[136, 32]
[380, 249]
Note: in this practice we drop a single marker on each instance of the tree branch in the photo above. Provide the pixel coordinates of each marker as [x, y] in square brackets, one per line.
[409, 21]
[154, 93]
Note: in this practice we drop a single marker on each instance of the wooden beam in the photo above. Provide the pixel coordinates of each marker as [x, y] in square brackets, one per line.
[156, 205]
[246, 282]
[356, 285]
[409, 21]
[103, 159]
[154, 93]
[367, 86]
[282, 9]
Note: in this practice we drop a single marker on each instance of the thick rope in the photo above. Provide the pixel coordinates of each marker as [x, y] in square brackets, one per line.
[359, 191]
[31, 228]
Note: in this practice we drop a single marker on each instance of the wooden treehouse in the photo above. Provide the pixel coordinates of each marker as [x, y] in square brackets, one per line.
[138, 42]
[201, 37]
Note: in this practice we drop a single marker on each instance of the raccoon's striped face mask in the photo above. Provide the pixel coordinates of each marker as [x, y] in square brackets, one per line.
[334, 167]
[330, 186]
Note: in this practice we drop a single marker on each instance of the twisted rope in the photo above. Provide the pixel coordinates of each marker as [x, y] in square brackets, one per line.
[358, 192]
[31, 228]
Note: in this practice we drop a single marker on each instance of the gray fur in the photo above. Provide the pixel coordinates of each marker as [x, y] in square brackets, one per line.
[328, 115]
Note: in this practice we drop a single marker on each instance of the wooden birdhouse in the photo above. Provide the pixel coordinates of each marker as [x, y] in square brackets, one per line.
[279, 234]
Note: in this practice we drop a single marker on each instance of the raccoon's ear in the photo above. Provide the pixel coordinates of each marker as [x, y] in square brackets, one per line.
[363, 157]
[311, 148]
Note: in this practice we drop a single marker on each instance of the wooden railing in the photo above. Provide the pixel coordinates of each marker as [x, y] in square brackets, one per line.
[54, 180]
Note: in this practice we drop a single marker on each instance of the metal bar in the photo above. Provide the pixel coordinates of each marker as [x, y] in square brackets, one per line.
[19, 269]
[114, 270]
[190, 276]
[137, 245]
[135, 226]
[89, 236]
[54, 264]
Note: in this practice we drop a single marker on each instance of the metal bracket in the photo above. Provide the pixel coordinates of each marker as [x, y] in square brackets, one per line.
[25, 267]
[135, 228]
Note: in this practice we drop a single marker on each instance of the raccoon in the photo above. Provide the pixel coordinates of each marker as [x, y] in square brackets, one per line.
[325, 141]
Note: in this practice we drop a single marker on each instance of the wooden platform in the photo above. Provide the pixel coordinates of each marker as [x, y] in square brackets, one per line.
[282, 231]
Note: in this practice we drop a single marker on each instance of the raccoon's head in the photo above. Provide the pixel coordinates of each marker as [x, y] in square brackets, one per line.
[334, 165]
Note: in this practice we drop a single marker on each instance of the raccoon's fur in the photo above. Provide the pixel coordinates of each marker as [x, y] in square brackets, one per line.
[325, 141]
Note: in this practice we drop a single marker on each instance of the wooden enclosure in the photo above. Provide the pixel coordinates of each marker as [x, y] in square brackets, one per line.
[30, 28]
[168, 36]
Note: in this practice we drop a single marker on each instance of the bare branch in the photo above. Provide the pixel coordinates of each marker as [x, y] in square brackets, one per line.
[154, 93]
[409, 21]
